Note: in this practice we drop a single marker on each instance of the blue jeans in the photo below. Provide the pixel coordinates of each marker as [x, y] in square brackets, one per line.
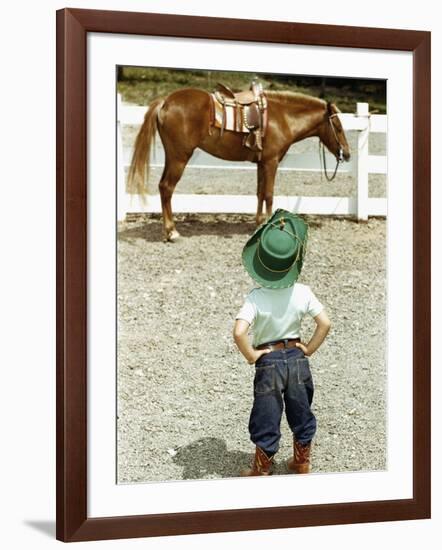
[282, 377]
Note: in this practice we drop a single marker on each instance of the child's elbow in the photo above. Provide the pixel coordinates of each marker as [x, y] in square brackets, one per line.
[323, 322]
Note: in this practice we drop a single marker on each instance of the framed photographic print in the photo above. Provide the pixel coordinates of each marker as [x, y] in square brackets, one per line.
[182, 142]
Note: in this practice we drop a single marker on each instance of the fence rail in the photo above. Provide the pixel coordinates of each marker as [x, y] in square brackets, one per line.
[361, 165]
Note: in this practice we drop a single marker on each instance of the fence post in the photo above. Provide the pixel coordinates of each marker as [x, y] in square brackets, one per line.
[121, 175]
[362, 163]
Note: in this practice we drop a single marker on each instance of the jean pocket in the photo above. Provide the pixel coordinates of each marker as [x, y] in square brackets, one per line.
[264, 381]
[303, 372]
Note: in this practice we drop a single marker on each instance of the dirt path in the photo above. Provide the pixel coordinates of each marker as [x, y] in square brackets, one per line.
[184, 391]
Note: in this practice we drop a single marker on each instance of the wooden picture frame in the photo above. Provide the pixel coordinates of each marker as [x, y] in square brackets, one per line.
[73, 523]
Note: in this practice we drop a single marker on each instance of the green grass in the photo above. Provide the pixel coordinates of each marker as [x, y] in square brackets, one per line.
[142, 85]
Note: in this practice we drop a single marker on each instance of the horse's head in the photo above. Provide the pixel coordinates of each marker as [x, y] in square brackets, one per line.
[332, 134]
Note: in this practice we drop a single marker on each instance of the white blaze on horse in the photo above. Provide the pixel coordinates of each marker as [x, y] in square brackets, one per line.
[251, 126]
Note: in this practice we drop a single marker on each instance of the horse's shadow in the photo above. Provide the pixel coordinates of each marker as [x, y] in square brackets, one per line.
[208, 458]
[190, 227]
[193, 226]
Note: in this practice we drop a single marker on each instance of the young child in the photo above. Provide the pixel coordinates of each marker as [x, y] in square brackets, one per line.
[273, 257]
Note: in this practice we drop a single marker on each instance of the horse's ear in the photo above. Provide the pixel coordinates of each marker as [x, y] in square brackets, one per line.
[330, 107]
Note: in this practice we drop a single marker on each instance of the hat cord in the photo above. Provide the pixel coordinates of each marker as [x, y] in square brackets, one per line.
[282, 228]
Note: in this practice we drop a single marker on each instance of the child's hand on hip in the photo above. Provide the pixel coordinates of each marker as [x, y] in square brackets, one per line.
[303, 348]
[256, 354]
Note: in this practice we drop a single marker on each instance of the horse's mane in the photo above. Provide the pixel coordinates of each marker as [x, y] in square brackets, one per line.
[303, 100]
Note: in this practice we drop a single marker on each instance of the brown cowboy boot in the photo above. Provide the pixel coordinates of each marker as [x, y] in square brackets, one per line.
[300, 463]
[261, 465]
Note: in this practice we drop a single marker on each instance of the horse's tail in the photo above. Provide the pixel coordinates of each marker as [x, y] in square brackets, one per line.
[140, 163]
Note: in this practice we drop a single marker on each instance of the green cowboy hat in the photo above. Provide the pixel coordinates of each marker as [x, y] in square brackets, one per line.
[274, 254]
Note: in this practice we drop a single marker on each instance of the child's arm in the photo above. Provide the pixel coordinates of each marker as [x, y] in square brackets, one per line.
[322, 327]
[240, 331]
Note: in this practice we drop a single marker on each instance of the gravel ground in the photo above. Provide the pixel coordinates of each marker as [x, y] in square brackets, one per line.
[185, 392]
[243, 182]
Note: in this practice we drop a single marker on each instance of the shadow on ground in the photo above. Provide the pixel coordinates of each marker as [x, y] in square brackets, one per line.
[208, 457]
[153, 231]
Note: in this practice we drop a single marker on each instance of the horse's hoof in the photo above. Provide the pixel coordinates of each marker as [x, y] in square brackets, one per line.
[173, 236]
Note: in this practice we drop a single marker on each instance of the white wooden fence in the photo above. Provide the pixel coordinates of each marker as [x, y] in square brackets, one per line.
[361, 165]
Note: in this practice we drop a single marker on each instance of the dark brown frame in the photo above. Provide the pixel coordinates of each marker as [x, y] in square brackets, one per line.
[72, 28]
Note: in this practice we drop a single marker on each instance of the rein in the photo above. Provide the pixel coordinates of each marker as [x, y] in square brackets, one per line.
[323, 158]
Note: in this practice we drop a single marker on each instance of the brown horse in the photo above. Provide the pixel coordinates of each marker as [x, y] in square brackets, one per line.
[183, 120]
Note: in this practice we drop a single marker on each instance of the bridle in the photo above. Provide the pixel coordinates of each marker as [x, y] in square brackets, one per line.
[340, 152]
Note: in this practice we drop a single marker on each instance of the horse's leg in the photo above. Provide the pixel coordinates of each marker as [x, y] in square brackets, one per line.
[269, 168]
[260, 193]
[172, 173]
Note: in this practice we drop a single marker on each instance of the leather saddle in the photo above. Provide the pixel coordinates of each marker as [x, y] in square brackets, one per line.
[246, 97]
[249, 109]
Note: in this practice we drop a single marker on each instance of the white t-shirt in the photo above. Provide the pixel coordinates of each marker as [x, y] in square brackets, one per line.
[276, 313]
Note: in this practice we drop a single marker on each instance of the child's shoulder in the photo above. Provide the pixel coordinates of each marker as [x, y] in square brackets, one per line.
[301, 287]
[297, 289]
[253, 292]
[303, 290]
